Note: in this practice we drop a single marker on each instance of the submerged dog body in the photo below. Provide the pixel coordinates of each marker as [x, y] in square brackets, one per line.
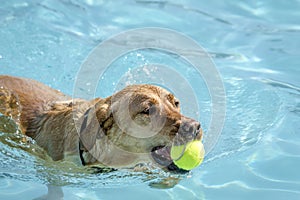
[135, 125]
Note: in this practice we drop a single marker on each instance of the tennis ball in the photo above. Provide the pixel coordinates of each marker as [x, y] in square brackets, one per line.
[188, 156]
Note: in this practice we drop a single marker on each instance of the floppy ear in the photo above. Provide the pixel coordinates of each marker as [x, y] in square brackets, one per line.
[103, 110]
[94, 124]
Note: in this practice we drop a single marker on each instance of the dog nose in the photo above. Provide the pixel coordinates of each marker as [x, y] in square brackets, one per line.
[197, 125]
[191, 126]
[189, 130]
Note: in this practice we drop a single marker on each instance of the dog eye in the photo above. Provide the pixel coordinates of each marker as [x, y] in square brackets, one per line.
[149, 110]
[146, 111]
[176, 104]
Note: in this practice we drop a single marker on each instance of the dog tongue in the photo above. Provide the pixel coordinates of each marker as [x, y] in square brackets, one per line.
[162, 155]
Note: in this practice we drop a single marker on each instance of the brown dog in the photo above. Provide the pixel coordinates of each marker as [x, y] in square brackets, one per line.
[136, 125]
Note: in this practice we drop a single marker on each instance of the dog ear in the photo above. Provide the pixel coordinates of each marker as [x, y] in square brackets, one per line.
[95, 123]
[103, 110]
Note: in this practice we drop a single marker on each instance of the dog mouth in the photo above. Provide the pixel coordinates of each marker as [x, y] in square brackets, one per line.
[162, 156]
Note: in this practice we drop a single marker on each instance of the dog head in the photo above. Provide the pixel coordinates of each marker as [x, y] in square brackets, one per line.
[140, 124]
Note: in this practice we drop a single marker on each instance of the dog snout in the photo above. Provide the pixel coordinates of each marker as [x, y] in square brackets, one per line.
[187, 130]
[190, 126]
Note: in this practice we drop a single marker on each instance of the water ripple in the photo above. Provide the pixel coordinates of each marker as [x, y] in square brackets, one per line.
[280, 84]
[184, 9]
[250, 116]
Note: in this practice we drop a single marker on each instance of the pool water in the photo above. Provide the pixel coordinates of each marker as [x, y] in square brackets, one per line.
[255, 47]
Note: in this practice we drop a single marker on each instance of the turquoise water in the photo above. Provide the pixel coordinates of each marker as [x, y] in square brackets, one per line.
[255, 47]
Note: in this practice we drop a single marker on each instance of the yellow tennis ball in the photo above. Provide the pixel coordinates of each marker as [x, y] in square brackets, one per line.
[188, 156]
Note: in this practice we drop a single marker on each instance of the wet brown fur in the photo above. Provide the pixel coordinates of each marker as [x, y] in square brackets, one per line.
[47, 116]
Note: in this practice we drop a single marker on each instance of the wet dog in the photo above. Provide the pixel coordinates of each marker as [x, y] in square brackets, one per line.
[136, 125]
